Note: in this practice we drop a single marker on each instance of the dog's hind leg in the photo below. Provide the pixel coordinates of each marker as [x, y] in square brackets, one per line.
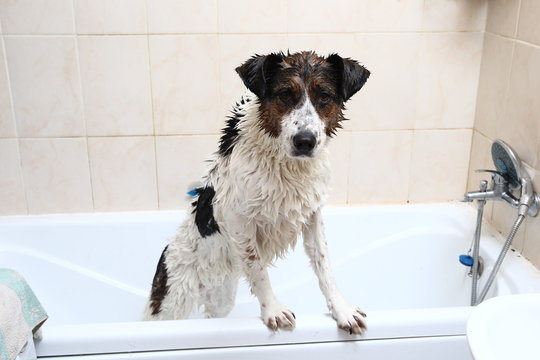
[175, 289]
[218, 300]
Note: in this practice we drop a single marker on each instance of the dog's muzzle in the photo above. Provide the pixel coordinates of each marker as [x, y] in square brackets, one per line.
[304, 142]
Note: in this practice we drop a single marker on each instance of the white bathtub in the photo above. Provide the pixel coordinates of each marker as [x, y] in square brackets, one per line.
[399, 263]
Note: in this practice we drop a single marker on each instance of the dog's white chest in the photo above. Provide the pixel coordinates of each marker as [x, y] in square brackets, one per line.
[285, 204]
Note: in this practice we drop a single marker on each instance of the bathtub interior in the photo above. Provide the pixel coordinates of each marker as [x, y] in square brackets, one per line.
[98, 268]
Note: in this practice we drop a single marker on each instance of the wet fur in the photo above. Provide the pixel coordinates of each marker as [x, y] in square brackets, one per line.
[260, 193]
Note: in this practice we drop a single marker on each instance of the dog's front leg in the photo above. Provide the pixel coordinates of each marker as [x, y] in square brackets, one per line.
[347, 316]
[274, 314]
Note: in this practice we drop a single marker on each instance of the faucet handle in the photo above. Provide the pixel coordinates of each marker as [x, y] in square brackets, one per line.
[488, 171]
[483, 185]
[497, 175]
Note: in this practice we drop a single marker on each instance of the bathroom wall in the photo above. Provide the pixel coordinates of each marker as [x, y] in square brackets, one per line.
[112, 105]
[508, 106]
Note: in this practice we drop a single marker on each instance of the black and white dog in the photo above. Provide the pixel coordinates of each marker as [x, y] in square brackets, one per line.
[266, 184]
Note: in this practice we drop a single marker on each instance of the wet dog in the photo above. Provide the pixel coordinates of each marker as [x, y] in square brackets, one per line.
[264, 187]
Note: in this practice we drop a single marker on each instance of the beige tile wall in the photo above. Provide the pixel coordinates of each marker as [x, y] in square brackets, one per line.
[508, 106]
[112, 105]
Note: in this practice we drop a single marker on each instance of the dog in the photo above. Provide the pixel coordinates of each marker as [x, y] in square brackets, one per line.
[264, 187]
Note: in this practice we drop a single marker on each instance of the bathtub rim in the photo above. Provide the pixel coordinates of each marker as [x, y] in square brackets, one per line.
[133, 337]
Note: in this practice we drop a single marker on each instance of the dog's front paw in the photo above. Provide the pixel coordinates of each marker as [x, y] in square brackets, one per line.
[277, 316]
[350, 318]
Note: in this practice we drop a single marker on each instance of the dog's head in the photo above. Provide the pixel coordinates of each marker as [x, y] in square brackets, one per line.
[302, 96]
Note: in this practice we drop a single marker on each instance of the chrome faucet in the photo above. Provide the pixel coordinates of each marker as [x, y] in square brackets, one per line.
[500, 189]
[509, 179]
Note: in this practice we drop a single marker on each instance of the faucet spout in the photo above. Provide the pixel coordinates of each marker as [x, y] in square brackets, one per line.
[480, 195]
[511, 199]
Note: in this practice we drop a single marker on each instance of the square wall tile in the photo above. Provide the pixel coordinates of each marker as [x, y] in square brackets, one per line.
[389, 16]
[440, 165]
[379, 170]
[11, 182]
[115, 75]
[313, 16]
[387, 100]
[182, 16]
[185, 83]
[529, 26]
[502, 17]
[56, 175]
[123, 173]
[322, 44]
[449, 65]
[45, 86]
[110, 16]
[354, 16]
[493, 83]
[519, 125]
[340, 153]
[455, 15]
[181, 162]
[234, 51]
[36, 17]
[7, 122]
[245, 16]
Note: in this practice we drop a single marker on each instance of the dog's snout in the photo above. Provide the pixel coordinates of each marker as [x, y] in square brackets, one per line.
[304, 142]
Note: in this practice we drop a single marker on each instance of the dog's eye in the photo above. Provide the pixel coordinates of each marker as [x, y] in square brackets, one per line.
[286, 96]
[324, 98]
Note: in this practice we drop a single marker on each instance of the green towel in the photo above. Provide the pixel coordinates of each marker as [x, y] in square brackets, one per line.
[20, 312]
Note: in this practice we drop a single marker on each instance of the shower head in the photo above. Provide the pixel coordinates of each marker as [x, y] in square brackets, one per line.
[508, 163]
[509, 166]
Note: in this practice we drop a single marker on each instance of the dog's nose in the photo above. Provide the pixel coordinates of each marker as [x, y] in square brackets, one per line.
[304, 142]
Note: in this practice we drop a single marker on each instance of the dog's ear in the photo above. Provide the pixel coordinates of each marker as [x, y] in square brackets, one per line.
[351, 76]
[257, 72]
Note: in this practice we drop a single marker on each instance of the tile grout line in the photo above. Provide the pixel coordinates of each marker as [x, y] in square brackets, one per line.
[409, 186]
[219, 74]
[154, 137]
[518, 15]
[514, 39]
[218, 23]
[218, 134]
[315, 33]
[506, 97]
[349, 159]
[469, 170]
[416, 90]
[83, 106]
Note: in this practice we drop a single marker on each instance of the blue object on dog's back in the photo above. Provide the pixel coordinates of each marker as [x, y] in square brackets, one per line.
[193, 192]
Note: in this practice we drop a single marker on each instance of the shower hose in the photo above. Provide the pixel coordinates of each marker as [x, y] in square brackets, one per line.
[499, 261]
[476, 249]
